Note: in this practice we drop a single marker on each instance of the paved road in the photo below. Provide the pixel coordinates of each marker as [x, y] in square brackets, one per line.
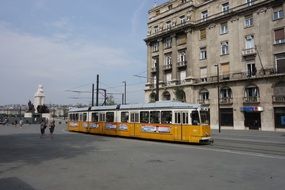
[237, 160]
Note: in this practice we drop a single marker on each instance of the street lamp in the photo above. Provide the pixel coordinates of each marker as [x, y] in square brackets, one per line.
[125, 93]
[218, 80]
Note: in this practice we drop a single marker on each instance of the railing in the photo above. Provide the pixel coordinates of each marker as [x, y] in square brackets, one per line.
[251, 99]
[182, 64]
[153, 69]
[167, 67]
[278, 99]
[204, 101]
[248, 51]
[226, 100]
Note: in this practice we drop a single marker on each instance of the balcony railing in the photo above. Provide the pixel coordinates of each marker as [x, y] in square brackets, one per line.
[204, 101]
[278, 99]
[226, 100]
[153, 69]
[167, 67]
[249, 51]
[251, 99]
[181, 64]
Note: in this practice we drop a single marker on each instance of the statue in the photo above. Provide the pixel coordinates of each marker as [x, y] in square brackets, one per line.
[31, 108]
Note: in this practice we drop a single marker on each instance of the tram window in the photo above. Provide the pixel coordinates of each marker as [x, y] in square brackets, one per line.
[144, 115]
[134, 117]
[177, 117]
[205, 118]
[80, 117]
[124, 116]
[185, 118]
[84, 116]
[110, 117]
[94, 117]
[102, 116]
[76, 117]
[155, 117]
[166, 117]
[195, 117]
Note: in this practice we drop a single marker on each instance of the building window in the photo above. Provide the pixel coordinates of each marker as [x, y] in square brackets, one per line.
[168, 25]
[204, 95]
[227, 118]
[203, 53]
[248, 21]
[278, 13]
[225, 69]
[203, 34]
[167, 42]
[224, 48]
[280, 63]
[203, 74]
[169, 7]
[155, 47]
[249, 42]
[224, 28]
[183, 1]
[225, 94]
[167, 59]
[155, 29]
[249, 2]
[251, 93]
[168, 78]
[154, 62]
[183, 19]
[204, 15]
[181, 59]
[225, 7]
[279, 36]
[182, 75]
[251, 69]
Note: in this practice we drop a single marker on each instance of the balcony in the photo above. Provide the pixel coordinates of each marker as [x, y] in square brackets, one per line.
[226, 100]
[167, 67]
[181, 64]
[153, 69]
[204, 101]
[251, 100]
[248, 52]
[278, 99]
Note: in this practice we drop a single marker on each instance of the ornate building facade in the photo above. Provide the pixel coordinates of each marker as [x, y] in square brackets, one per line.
[228, 55]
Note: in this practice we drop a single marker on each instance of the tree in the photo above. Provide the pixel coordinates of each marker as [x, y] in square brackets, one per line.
[110, 100]
[180, 94]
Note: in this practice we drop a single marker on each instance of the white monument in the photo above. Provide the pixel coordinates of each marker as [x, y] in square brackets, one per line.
[39, 98]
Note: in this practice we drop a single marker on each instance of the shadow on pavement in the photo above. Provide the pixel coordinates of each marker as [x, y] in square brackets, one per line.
[14, 183]
[31, 149]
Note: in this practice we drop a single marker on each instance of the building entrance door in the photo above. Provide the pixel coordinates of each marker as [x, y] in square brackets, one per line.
[252, 120]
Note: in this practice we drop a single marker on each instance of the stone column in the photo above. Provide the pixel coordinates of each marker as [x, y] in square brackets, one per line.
[161, 60]
[174, 59]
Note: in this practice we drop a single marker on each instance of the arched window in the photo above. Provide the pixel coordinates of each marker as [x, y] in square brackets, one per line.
[203, 96]
[251, 94]
[152, 97]
[180, 94]
[166, 95]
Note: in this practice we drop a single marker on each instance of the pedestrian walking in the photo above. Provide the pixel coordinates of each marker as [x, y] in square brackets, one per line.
[21, 123]
[43, 127]
[51, 128]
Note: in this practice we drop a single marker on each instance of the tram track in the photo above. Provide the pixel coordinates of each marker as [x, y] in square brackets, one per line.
[258, 147]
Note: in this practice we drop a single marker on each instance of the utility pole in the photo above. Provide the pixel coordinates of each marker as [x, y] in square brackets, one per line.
[97, 91]
[92, 95]
[125, 93]
[219, 114]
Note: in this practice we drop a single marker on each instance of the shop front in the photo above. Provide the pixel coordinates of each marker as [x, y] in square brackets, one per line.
[252, 116]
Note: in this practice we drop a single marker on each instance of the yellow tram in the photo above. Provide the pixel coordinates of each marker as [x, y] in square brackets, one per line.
[162, 120]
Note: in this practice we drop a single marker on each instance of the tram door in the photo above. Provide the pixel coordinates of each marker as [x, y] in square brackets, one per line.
[181, 118]
[252, 120]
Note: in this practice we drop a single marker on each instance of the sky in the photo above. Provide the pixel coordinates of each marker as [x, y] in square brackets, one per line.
[64, 44]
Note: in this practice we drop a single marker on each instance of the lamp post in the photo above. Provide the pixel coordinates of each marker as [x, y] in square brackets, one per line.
[124, 98]
[218, 80]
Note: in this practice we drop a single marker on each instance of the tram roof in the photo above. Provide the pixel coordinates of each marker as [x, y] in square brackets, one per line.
[143, 106]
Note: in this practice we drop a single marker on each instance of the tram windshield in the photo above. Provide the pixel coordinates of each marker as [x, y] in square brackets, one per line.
[205, 119]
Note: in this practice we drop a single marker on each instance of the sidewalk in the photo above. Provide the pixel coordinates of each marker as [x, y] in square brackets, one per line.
[250, 135]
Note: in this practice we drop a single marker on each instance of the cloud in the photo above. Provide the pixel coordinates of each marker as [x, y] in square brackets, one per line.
[30, 59]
